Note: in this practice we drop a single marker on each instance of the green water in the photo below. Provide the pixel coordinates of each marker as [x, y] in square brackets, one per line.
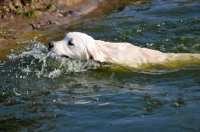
[39, 92]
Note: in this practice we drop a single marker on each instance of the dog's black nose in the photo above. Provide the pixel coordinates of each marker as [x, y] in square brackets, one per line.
[51, 45]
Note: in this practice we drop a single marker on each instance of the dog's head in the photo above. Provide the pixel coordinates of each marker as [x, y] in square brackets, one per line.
[76, 46]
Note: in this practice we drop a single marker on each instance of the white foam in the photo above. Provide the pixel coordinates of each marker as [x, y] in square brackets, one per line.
[36, 59]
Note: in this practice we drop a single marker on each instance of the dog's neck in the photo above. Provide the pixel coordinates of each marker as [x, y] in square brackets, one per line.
[108, 52]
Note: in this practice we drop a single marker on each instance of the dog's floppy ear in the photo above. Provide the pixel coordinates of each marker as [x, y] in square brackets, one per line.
[89, 56]
[92, 51]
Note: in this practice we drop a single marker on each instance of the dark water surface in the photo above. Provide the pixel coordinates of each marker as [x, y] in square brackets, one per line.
[42, 93]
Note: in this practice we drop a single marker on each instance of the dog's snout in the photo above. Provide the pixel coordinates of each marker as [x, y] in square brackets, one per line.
[51, 45]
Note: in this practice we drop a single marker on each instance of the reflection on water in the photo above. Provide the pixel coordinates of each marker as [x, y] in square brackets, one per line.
[40, 92]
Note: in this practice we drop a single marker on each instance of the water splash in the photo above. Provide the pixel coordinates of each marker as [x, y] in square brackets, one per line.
[36, 60]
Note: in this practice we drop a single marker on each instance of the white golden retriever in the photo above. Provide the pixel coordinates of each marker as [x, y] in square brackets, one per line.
[80, 46]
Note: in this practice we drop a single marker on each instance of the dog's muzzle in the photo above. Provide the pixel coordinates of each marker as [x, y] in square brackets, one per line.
[51, 45]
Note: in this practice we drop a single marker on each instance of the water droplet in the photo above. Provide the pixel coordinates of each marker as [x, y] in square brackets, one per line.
[141, 115]
[95, 99]
[176, 104]
[112, 76]
[16, 93]
[139, 30]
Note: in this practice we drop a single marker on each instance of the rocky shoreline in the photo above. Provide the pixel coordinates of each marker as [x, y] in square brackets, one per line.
[21, 16]
[18, 16]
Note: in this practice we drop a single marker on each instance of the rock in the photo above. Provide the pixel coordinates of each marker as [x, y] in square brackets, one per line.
[52, 22]
[68, 13]
[3, 16]
[7, 9]
[18, 4]
[12, 8]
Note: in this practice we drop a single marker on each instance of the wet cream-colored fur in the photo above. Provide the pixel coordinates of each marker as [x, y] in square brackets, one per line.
[80, 46]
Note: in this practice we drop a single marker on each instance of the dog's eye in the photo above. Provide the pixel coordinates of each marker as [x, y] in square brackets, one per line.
[70, 43]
